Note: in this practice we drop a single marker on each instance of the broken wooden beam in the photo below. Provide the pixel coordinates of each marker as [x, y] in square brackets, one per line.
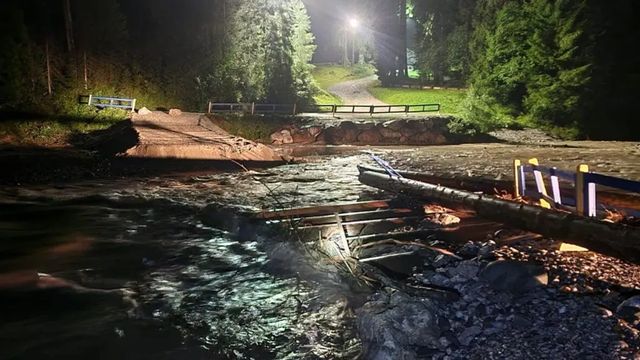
[612, 239]
[613, 198]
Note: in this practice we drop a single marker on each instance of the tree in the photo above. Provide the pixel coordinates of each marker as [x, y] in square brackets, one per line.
[270, 48]
[444, 36]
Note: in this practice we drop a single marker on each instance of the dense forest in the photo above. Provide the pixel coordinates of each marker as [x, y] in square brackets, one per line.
[162, 52]
[563, 64]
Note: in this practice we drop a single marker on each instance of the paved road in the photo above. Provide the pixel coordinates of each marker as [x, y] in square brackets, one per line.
[355, 91]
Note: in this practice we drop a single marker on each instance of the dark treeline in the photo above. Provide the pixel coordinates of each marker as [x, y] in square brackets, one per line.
[163, 52]
[563, 64]
[559, 63]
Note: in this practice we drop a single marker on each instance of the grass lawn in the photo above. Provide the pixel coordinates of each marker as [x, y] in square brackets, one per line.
[450, 100]
[329, 75]
[55, 131]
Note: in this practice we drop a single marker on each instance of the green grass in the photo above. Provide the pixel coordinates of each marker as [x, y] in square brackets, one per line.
[56, 131]
[450, 100]
[329, 75]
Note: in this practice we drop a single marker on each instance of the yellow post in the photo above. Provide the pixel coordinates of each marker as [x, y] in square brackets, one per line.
[580, 199]
[542, 189]
[516, 177]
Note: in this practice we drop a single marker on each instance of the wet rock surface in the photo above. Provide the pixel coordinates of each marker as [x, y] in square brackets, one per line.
[497, 317]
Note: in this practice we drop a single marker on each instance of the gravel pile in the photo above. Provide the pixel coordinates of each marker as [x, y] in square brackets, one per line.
[517, 301]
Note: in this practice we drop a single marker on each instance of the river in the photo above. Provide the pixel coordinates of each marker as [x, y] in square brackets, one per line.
[141, 268]
[137, 268]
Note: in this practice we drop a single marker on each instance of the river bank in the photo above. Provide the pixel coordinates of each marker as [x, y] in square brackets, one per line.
[189, 279]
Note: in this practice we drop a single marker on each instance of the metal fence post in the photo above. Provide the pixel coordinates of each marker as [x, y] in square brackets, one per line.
[90, 99]
[209, 107]
[133, 105]
[253, 108]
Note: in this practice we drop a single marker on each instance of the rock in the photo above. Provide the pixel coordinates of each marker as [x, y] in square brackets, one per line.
[175, 112]
[629, 310]
[469, 250]
[370, 137]
[514, 276]
[144, 111]
[302, 136]
[400, 263]
[345, 133]
[487, 249]
[466, 270]
[315, 131]
[466, 337]
[395, 328]
[281, 137]
[429, 138]
[389, 133]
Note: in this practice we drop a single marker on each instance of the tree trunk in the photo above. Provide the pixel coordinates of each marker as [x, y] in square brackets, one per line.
[48, 61]
[86, 71]
[611, 239]
[404, 68]
[68, 24]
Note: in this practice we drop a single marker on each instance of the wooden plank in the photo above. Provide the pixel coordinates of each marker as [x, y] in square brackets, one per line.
[343, 237]
[323, 210]
[353, 216]
[395, 220]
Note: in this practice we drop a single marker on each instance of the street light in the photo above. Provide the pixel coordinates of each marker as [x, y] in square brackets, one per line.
[354, 23]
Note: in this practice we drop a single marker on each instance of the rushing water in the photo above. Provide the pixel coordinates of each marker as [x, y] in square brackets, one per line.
[129, 269]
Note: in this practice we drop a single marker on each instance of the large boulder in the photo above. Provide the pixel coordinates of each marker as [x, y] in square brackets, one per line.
[428, 138]
[390, 134]
[370, 137]
[303, 136]
[514, 276]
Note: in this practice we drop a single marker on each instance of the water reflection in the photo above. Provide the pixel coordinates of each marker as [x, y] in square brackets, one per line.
[137, 274]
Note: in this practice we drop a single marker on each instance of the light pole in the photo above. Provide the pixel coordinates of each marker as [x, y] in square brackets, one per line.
[353, 25]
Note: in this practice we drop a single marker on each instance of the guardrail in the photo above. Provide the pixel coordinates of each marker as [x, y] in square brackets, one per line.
[112, 102]
[584, 181]
[378, 109]
[254, 108]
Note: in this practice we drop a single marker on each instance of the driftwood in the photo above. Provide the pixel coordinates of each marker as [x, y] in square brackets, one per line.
[611, 239]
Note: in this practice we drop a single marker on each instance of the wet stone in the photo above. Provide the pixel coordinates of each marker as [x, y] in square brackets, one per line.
[629, 310]
[514, 276]
[467, 336]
